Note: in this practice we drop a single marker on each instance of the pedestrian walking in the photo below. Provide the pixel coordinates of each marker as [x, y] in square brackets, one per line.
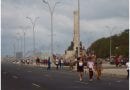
[57, 63]
[116, 61]
[119, 60]
[90, 65]
[49, 64]
[37, 61]
[61, 63]
[127, 68]
[28, 61]
[71, 65]
[80, 68]
[98, 67]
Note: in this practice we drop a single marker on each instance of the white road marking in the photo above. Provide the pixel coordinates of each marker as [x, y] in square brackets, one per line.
[35, 85]
[66, 73]
[4, 72]
[15, 77]
[118, 81]
[81, 82]
[29, 71]
[73, 87]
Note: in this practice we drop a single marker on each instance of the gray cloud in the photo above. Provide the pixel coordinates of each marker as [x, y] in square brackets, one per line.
[95, 16]
[100, 9]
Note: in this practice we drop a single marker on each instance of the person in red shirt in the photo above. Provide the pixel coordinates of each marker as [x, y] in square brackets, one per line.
[116, 61]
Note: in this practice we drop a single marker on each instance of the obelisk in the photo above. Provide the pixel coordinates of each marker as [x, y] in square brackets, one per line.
[76, 30]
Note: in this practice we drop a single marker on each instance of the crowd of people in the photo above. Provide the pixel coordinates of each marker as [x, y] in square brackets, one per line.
[59, 63]
[93, 64]
[27, 61]
[84, 64]
[119, 61]
[90, 63]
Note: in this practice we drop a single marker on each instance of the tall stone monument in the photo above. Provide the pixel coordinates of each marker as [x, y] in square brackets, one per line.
[72, 50]
[76, 30]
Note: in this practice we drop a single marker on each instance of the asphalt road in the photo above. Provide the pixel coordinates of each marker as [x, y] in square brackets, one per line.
[21, 77]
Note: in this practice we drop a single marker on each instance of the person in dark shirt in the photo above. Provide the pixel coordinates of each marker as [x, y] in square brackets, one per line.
[49, 64]
[38, 61]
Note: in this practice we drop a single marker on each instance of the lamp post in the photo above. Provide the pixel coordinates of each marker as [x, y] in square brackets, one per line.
[18, 43]
[110, 49]
[110, 43]
[24, 34]
[14, 49]
[24, 44]
[79, 28]
[116, 53]
[33, 27]
[51, 10]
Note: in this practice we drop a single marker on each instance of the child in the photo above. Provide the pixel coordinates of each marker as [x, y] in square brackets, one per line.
[85, 69]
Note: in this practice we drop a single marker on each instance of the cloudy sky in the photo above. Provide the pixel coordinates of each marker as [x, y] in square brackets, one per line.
[97, 19]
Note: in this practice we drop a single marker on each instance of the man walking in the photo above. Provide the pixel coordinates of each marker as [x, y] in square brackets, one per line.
[49, 64]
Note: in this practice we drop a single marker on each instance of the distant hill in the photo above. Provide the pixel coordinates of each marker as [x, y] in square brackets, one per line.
[119, 45]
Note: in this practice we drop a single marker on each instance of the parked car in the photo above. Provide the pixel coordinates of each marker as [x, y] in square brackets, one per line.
[112, 61]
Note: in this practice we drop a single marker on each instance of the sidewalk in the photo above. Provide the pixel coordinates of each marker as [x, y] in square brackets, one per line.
[119, 72]
[112, 70]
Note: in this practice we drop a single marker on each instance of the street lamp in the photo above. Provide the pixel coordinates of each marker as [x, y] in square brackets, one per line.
[51, 10]
[24, 33]
[33, 25]
[116, 53]
[110, 43]
[14, 47]
[110, 39]
[18, 43]
[79, 28]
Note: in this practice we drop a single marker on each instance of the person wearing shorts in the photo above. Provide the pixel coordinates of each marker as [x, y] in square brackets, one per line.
[80, 68]
[90, 65]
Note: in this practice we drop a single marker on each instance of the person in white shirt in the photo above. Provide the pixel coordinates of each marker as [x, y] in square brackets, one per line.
[127, 68]
[57, 63]
[62, 63]
[90, 65]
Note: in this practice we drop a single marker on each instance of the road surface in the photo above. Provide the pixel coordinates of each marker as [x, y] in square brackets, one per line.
[23, 77]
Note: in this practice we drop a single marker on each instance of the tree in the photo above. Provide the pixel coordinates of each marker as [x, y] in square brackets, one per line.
[119, 45]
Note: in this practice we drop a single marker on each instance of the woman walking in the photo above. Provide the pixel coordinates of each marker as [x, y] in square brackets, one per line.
[90, 65]
[80, 68]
